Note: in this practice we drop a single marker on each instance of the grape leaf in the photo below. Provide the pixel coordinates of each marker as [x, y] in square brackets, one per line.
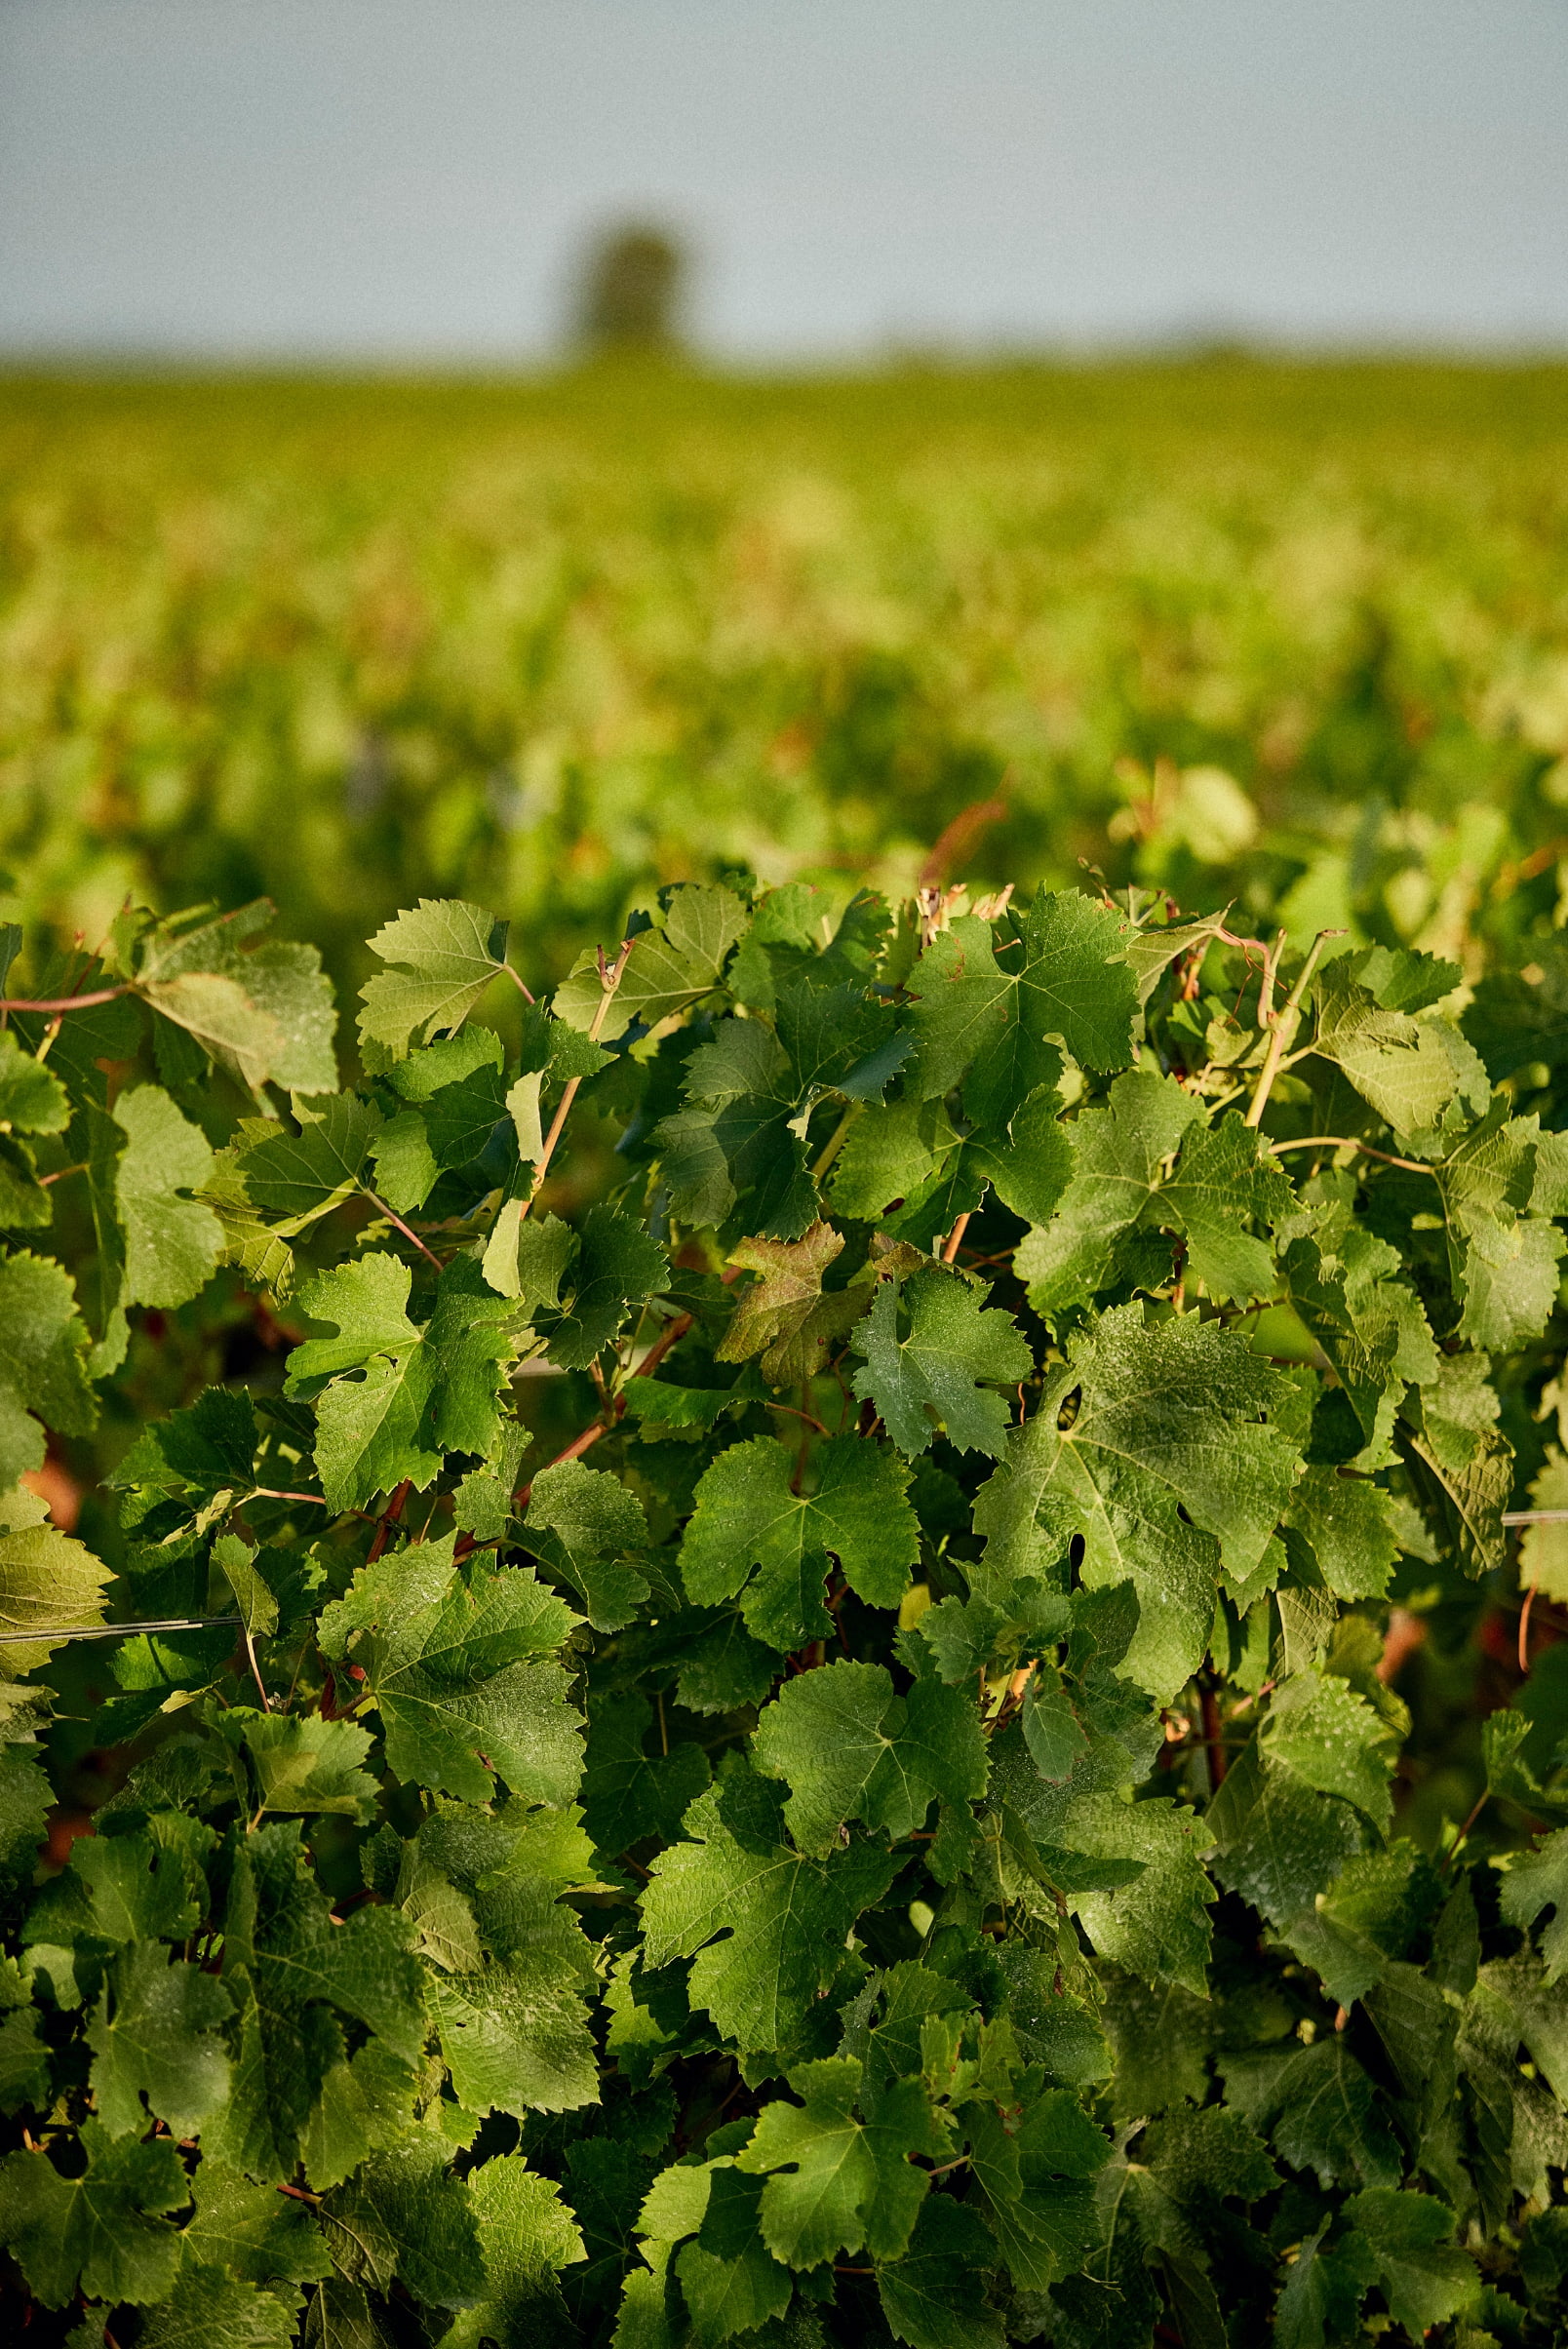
[839, 2180]
[43, 1345]
[289, 1966]
[627, 1792]
[934, 2297]
[1320, 2110]
[1118, 1154]
[155, 2033]
[443, 955]
[527, 2235]
[265, 1011]
[172, 1243]
[1174, 1468]
[1462, 1466]
[931, 1376]
[295, 1178]
[1399, 1065]
[368, 1425]
[1544, 1548]
[1331, 1737]
[747, 1516]
[616, 1266]
[1066, 976]
[405, 2217]
[731, 2282]
[850, 1749]
[577, 1519]
[763, 1924]
[105, 2229]
[32, 1099]
[459, 1663]
[787, 1317]
[673, 963]
[1423, 2276]
[209, 2310]
[1538, 1880]
[47, 1580]
[1350, 1526]
[302, 1764]
[1504, 1261]
[252, 2231]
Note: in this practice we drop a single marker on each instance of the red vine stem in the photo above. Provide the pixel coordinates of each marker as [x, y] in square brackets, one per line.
[64, 1003]
[1524, 1630]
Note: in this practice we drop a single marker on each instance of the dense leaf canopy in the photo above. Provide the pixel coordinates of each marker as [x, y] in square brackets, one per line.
[751, 1623]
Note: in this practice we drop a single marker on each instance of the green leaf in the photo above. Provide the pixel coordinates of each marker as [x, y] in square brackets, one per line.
[527, 2235]
[1280, 1843]
[1175, 1468]
[1399, 1065]
[1537, 1880]
[1119, 1154]
[729, 2280]
[1544, 1548]
[839, 2181]
[155, 2033]
[295, 1178]
[405, 2217]
[443, 955]
[46, 1580]
[1224, 1178]
[368, 1426]
[747, 1517]
[265, 1012]
[43, 1345]
[253, 2231]
[850, 1749]
[1461, 1465]
[1331, 1739]
[1324, 2290]
[367, 1301]
[1067, 977]
[672, 964]
[105, 2230]
[1157, 1925]
[1340, 1280]
[786, 1316]
[929, 1377]
[1409, 2239]
[1320, 2113]
[456, 1662]
[361, 2105]
[32, 1099]
[289, 1966]
[513, 2030]
[627, 1792]
[1350, 1526]
[765, 1924]
[209, 2310]
[578, 1519]
[1503, 1262]
[616, 1266]
[934, 2297]
[340, 2317]
[305, 1764]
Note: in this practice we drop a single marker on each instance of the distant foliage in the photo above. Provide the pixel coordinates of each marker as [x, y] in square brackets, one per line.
[785, 1733]
[1287, 637]
[632, 290]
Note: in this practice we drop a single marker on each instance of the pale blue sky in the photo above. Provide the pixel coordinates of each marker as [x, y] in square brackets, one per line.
[410, 178]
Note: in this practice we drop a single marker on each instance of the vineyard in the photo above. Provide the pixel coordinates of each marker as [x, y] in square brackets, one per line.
[785, 1187]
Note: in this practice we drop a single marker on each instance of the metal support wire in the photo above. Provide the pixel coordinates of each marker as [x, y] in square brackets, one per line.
[1535, 1516]
[182, 1623]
